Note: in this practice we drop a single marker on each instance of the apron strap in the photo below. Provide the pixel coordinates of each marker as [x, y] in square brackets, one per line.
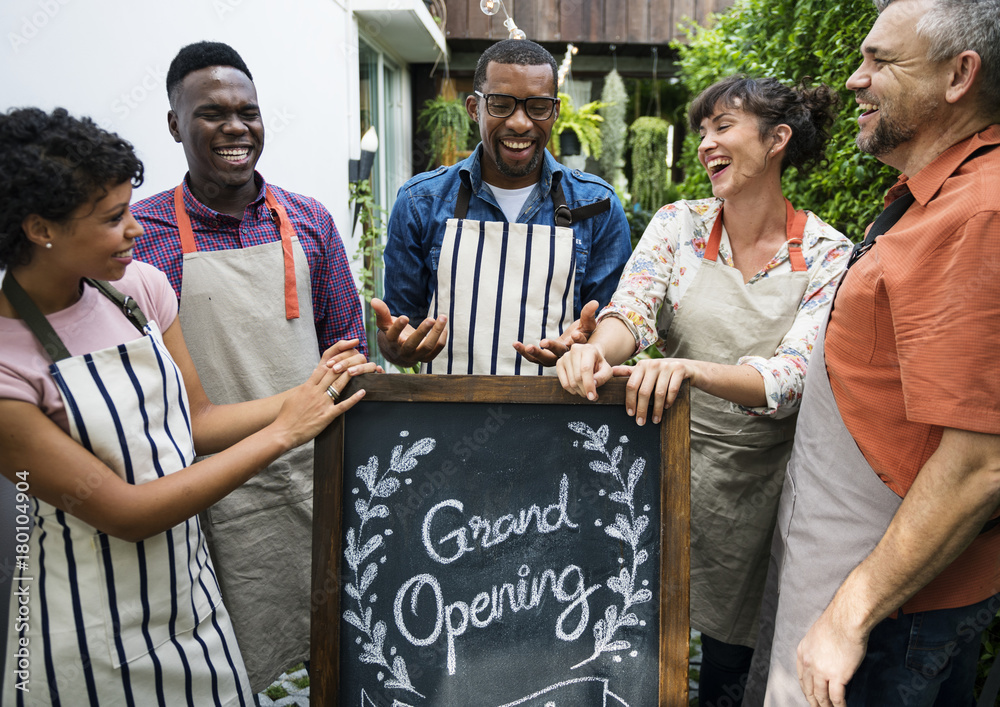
[795, 224]
[564, 216]
[280, 217]
[43, 331]
[34, 319]
[128, 306]
[462, 204]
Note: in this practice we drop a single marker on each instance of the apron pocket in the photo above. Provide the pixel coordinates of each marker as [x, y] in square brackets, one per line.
[149, 602]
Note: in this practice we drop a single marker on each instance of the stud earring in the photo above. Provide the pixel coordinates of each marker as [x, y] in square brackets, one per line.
[48, 245]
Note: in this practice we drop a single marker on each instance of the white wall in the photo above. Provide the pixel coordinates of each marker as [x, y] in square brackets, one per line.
[108, 59]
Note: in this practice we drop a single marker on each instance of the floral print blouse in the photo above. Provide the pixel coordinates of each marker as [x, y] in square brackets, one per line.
[667, 259]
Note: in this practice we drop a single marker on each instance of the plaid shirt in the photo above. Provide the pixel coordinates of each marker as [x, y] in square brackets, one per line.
[336, 305]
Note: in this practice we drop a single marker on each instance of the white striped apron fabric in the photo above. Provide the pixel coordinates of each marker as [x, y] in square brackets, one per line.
[113, 622]
[499, 283]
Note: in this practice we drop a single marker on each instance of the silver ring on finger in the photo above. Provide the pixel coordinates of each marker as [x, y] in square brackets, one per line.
[332, 392]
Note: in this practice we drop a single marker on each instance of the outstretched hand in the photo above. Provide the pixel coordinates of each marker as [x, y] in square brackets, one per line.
[549, 351]
[402, 344]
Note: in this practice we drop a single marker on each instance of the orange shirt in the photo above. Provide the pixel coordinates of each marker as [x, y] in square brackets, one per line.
[911, 347]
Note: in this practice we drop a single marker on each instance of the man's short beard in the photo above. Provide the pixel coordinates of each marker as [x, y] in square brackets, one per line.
[886, 137]
[508, 171]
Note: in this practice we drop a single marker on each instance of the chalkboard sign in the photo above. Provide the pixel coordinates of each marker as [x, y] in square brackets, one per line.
[494, 541]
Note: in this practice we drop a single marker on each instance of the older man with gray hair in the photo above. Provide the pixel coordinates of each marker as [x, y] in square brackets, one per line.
[886, 563]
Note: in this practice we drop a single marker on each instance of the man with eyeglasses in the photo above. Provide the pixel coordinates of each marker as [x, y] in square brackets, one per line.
[505, 247]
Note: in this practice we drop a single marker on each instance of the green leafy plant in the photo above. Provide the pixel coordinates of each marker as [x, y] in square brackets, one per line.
[790, 40]
[584, 121]
[614, 129]
[447, 123]
[369, 251]
[648, 140]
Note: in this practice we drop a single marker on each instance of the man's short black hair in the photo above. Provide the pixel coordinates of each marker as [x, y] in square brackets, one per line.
[199, 56]
[522, 52]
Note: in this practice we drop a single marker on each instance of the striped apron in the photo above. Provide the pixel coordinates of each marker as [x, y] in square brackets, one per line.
[112, 622]
[502, 282]
[247, 316]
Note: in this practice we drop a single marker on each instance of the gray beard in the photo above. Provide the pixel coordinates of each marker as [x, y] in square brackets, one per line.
[887, 136]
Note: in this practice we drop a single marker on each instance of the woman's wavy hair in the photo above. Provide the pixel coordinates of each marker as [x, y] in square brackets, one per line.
[50, 165]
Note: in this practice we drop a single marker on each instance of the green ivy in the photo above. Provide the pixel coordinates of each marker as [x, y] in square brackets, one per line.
[791, 40]
[648, 140]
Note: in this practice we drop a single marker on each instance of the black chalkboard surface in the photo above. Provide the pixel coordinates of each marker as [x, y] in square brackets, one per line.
[498, 542]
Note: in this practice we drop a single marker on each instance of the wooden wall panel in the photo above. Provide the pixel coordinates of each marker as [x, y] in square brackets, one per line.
[458, 18]
[683, 9]
[638, 21]
[616, 21]
[594, 21]
[660, 27]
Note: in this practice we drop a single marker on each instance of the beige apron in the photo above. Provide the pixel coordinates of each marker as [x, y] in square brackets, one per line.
[834, 510]
[736, 460]
[498, 283]
[248, 322]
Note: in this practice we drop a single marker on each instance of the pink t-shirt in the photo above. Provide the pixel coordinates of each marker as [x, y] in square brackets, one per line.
[92, 324]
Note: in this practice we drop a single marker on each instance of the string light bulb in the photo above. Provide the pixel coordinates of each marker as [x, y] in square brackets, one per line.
[492, 7]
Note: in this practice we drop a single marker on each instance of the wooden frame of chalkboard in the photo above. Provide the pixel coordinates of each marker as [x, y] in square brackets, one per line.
[328, 582]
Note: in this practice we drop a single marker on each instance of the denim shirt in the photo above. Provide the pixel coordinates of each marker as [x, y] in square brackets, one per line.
[426, 202]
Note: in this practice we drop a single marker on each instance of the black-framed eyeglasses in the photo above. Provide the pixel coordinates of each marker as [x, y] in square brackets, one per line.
[500, 105]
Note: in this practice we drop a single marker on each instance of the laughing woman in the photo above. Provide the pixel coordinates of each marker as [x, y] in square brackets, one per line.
[100, 420]
[731, 290]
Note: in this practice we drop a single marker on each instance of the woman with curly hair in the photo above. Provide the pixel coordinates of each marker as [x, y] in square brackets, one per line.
[731, 291]
[115, 601]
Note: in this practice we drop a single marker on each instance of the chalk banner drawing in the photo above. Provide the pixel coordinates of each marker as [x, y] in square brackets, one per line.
[499, 556]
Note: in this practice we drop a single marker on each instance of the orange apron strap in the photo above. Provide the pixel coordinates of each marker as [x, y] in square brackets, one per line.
[795, 226]
[714, 239]
[287, 233]
[183, 222]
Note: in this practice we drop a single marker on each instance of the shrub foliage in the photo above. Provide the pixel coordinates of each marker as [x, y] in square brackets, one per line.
[791, 40]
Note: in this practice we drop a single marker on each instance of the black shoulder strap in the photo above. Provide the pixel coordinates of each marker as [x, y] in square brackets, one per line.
[462, 205]
[43, 331]
[566, 216]
[886, 220]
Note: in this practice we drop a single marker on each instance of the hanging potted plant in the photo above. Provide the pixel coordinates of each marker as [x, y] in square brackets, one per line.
[614, 130]
[576, 131]
[447, 124]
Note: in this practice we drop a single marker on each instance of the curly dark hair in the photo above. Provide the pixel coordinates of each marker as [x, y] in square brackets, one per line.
[200, 55]
[522, 52]
[50, 164]
[809, 112]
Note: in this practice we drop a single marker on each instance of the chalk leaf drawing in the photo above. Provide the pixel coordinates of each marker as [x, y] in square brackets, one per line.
[627, 528]
[360, 545]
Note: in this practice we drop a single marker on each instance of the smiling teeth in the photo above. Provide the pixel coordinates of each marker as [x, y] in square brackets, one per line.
[235, 154]
[866, 107]
[719, 161]
[516, 145]
[123, 254]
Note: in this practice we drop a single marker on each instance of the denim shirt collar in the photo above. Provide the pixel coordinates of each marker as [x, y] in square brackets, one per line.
[471, 174]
